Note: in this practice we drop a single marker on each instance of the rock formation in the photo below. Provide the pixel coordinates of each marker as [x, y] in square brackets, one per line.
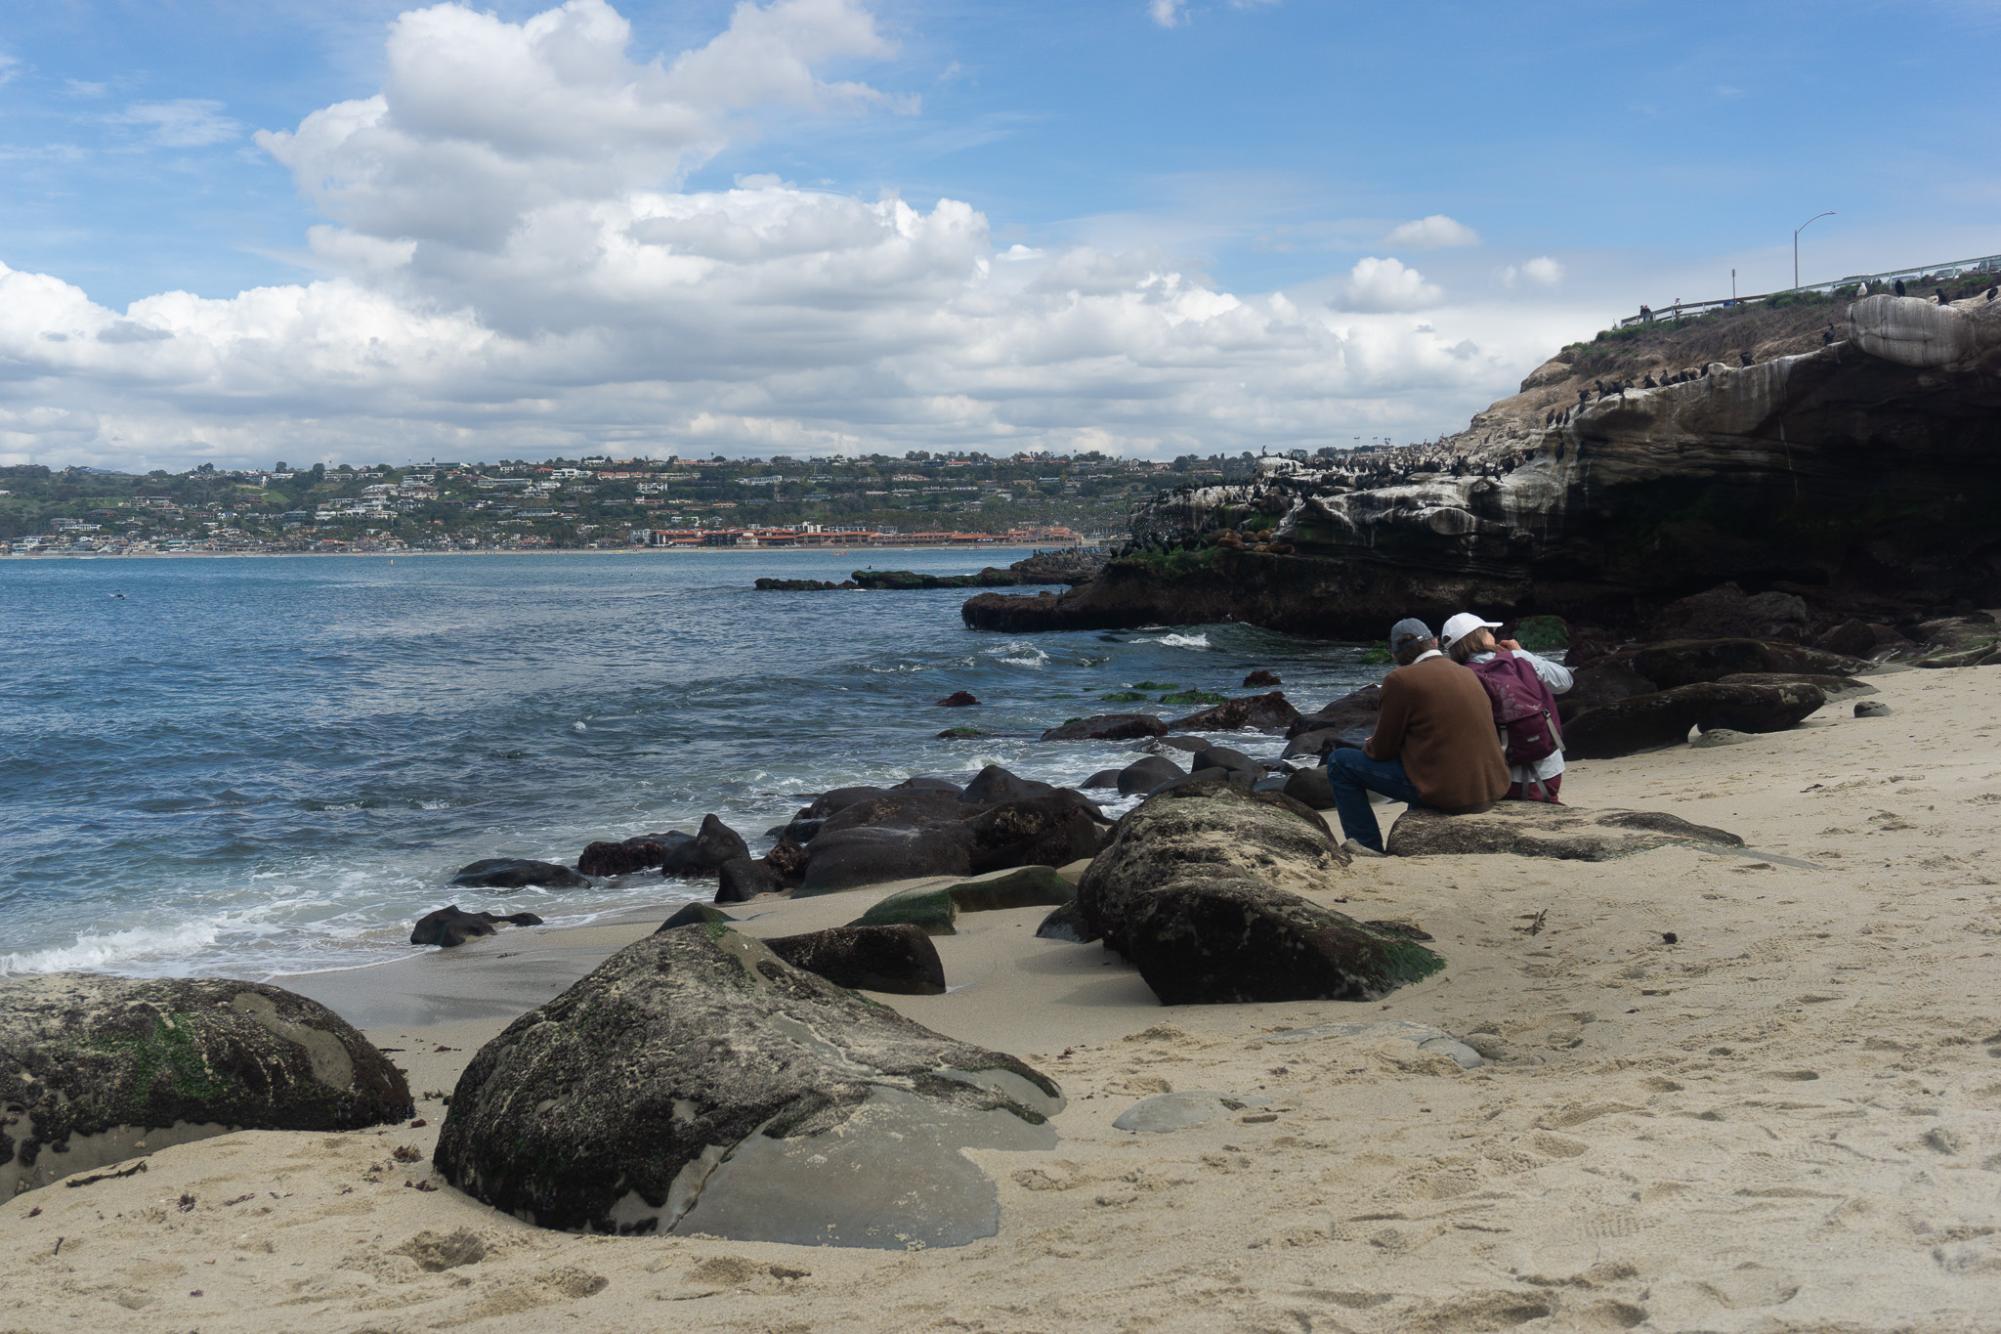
[93, 1068]
[754, 1100]
[1857, 474]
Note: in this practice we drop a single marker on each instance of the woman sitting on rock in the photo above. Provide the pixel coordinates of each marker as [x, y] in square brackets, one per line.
[1523, 688]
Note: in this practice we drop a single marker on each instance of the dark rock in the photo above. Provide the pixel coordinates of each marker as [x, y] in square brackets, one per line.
[1067, 923]
[449, 926]
[1645, 722]
[787, 860]
[1052, 830]
[1316, 745]
[958, 699]
[963, 734]
[1104, 778]
[1266, 713]
[1210, 777]
[1354, 713]
[1198, 890]
[1146, 775]
[1538, 829]
[1833, 687]
[645, 852]
[1223, 757]
[1955, 640]
[936, 911]
[912, 807]
[848, 858]
[839, 799]
[1695, 661]
[1871, 708]
[517, 873]
[696, 914]
[1728, 612]
[1310, 787]
[993, 785]
[921, 784]
[1108, 727]
[1073, 565]
[1850, 639]
[704, 854]
[771, 585]
[94, 1067]
[899, 960]
[741, 879]
[1261, 677]
[754, 1101]
[1600, 683]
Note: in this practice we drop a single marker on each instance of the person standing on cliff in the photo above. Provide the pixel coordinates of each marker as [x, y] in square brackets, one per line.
[1535, 766]
[1434, 743]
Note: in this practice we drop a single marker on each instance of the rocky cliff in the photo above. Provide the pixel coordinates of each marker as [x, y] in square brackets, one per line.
[1859, 474]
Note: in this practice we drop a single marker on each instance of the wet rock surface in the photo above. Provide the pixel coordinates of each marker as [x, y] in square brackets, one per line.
[451, 925]
[1108, 727]
[937, 911]
[897, 959]
[1537, 829]
[756, 1101]
[516, 873]
[90, 1066]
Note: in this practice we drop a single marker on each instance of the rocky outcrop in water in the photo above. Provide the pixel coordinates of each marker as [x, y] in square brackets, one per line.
[1857, 476]
[451, 926]
[97, 1069]
[753, 1101]
[1078, 565]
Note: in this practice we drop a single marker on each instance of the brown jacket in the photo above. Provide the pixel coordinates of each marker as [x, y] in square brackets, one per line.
[1436, 718]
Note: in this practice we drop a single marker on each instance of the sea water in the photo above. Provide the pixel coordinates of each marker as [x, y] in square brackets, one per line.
[248, 766]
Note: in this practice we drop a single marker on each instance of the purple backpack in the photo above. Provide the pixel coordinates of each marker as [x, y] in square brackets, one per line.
[1524, 708]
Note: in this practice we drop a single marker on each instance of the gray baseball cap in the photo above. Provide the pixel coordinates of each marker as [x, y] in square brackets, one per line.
[1407, 629]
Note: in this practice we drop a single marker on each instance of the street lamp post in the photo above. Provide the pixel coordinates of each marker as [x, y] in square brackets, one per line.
[1796, 243]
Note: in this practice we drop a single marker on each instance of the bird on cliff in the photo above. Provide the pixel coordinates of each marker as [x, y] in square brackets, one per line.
[1939, 297]
[1743, 358]
[1705, 373]
[1647, 383]
[1994, 291]
[1861, 289]
[1899, 285]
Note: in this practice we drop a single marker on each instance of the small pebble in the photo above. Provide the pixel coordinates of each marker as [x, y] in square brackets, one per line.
[1669, 938]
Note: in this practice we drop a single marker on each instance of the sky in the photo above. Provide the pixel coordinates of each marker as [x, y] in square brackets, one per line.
[237, 231]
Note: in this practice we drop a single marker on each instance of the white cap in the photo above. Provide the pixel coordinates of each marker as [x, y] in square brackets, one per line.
[1465, 623]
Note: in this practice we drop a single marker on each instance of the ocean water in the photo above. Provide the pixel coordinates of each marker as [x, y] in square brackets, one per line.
[254, 766]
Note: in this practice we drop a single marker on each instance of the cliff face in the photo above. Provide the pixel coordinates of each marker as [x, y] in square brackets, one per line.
[1861, 474]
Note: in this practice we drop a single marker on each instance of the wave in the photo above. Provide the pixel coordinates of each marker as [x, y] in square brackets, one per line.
[1019, 653]
[129, 950]
[1177, 641]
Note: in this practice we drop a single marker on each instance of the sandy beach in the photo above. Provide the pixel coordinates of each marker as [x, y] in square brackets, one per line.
[1724, 1091]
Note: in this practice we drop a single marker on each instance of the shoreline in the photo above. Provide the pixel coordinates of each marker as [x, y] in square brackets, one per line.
[1777, 1119]
[543, 551]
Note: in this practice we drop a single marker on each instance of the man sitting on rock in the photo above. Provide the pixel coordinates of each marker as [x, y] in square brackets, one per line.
[1434, 743]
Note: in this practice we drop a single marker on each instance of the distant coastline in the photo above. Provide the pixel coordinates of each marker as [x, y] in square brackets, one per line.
[33, 556]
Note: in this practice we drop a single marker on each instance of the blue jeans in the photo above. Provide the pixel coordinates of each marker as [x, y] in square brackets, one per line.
[1353, 776]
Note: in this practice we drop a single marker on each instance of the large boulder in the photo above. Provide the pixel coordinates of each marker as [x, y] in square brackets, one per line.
[1833, 687]
[1355, 711]
[1052, 830]
[1197, 889]
[643, 852]
[1729, 612]
[1647, 722]
[1596, 684]
[994, 785]
[1539, 829]
[1108, 727]
[714, 844]
[936, 911]
[451, 925]
[847, 858]
[1145, 775]
[1684, 662]
[516, 873]
[898, 959]
[741, 879]
[1266, 713]
[1310, 787]
[751, 1100]
[93, 1067]
[1229, 759]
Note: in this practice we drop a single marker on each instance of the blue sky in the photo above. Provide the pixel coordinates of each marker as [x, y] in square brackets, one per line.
[1588, 157]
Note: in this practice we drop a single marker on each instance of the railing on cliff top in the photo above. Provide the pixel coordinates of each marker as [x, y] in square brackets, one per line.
[1685, 309]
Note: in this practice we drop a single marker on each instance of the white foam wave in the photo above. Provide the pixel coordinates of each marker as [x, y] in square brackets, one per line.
[1019, 653]
[1177, 641]
[129, 950]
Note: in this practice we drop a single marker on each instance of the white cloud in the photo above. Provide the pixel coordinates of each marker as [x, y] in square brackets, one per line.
[85, 88]
[1435, 232]
[187, 122]
[1386, 284]
[511, 263]
[9, 67]
[1167, 13]
[1542, 271]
